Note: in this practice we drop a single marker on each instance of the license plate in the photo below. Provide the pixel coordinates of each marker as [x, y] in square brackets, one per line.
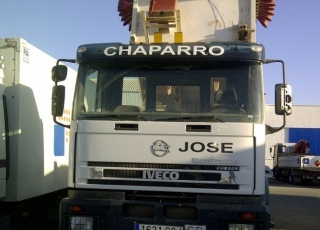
[166, 227]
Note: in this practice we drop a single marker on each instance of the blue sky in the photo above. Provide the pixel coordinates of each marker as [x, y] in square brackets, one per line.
[58, 27]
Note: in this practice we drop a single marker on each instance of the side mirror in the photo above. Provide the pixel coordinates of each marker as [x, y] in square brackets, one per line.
[283, 99]
[58, 95]
[59, 73]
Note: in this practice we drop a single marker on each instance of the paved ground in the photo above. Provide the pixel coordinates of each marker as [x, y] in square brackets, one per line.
[294, 207]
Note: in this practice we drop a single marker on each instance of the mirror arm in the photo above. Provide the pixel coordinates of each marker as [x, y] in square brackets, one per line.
[283, 67]
[66, 60]
[269, 129]
[58, 123]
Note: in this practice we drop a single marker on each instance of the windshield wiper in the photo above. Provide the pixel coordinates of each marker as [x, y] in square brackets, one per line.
[115, 117]
[191, 118]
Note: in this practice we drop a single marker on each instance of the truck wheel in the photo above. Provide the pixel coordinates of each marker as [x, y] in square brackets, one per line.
[267, 193]
[277, 173]
[290, 177]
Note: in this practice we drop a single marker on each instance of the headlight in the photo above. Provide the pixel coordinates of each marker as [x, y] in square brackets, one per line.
[82, 49]
[241, 227]
[257, 48]
[81, 223]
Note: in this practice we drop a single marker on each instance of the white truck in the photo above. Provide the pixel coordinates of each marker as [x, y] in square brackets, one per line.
[168, 132]
[33, 149]
[293, 162]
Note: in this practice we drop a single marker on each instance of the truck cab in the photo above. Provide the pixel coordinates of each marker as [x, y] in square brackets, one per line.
[168, 131]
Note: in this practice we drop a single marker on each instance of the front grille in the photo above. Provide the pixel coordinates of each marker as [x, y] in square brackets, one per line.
[165, 184]
[180, 213]
[144, 211]
[139, 211]
[167, 166]
[140, 174]
[161, 175]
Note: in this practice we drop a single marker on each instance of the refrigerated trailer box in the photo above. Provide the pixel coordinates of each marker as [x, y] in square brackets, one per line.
[34, 151]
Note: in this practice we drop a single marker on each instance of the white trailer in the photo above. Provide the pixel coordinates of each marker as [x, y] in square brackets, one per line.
[293, 165]
[33, 150]
[168, 131]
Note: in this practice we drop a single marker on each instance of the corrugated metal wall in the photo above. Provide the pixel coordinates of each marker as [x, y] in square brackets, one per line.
[312, 135]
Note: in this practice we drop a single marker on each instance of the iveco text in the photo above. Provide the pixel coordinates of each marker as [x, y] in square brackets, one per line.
[161, 175]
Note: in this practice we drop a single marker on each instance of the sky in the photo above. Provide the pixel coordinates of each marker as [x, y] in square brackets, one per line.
[58, 27]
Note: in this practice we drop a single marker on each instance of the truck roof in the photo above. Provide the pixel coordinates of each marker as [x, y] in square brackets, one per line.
[243, 51]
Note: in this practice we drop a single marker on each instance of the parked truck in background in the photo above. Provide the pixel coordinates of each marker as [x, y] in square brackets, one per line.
[33, 149]
[168, 132]
[293, 161]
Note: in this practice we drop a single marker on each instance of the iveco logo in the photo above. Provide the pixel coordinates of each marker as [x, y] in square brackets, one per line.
[160, 148]
[160, 175]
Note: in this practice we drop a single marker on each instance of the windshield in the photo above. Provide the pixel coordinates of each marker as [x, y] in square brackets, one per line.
[210, 92]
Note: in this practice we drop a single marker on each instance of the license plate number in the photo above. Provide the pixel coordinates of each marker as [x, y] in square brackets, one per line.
[166, 227]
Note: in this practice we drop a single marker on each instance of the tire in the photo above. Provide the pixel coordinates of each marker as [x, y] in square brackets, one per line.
[277, 173]
[267, 193]
[290, 178]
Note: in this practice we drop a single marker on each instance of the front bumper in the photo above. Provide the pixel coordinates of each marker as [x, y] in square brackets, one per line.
[125, 214]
